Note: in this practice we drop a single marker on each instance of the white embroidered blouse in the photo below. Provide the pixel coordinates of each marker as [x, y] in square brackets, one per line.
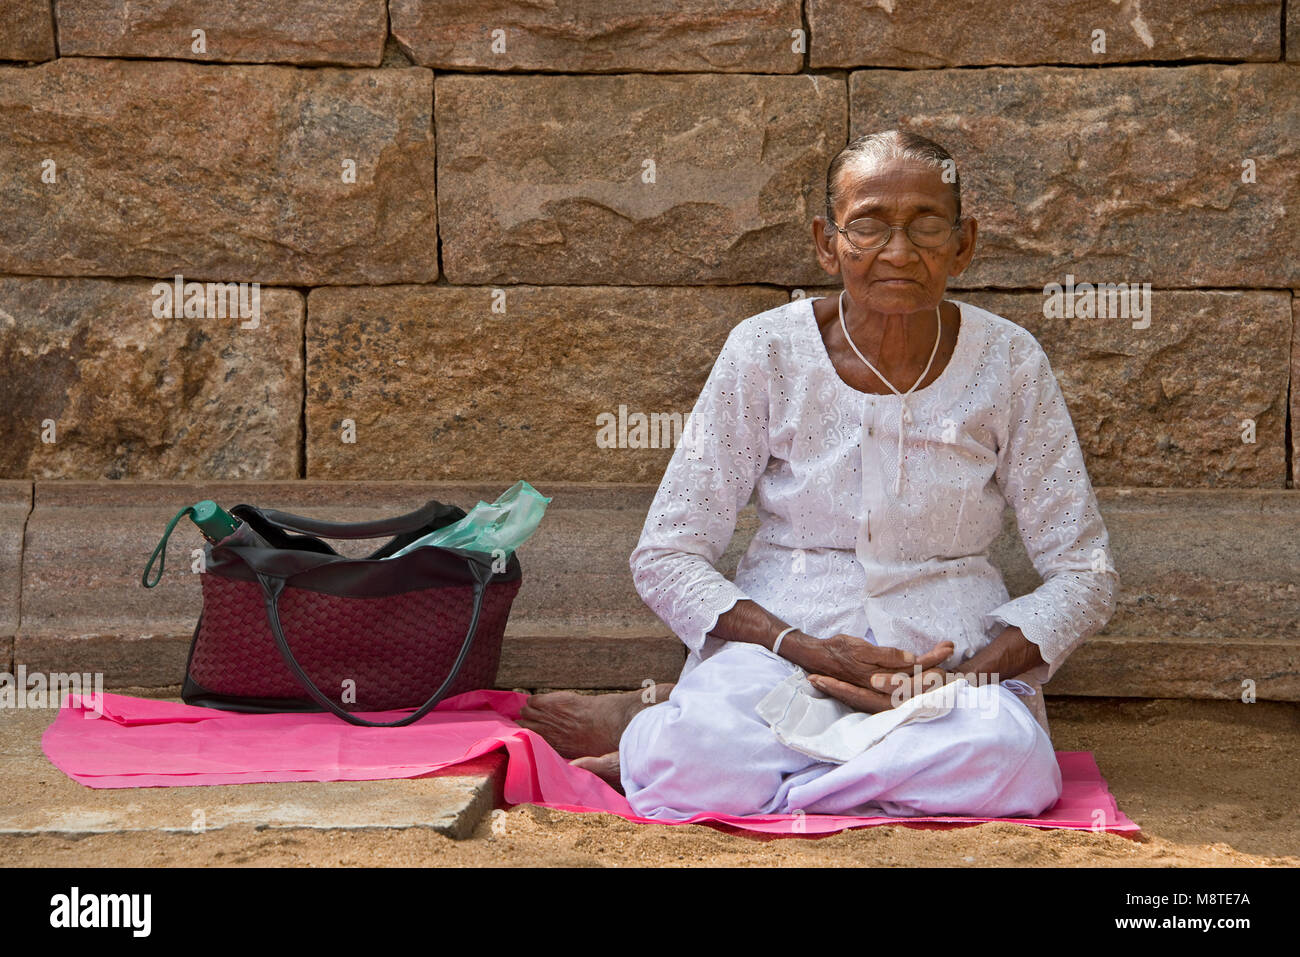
[837, 550]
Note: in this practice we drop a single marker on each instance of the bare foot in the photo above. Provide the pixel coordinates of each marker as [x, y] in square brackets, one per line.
[585, 725]
[604, 767]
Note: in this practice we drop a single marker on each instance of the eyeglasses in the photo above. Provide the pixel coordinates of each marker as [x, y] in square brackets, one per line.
[872, 233]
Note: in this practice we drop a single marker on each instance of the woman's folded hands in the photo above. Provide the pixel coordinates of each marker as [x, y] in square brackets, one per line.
[868, 677]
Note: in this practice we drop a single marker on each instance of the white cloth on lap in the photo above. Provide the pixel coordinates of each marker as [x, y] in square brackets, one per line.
[822, 727]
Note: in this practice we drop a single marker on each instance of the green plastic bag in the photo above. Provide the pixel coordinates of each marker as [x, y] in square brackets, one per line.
[504, 525]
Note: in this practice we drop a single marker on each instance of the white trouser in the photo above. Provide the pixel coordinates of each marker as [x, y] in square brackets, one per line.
[705, 749]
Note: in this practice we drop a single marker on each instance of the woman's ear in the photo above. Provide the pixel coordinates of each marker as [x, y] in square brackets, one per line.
[825, 246]
[965, 246]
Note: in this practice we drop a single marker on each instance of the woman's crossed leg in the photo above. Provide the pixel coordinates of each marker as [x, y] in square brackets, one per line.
[705, 749]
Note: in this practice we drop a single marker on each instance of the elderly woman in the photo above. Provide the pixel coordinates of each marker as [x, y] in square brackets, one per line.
[884, 431]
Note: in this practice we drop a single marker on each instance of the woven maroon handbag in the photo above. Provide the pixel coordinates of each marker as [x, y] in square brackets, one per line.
[288, 624]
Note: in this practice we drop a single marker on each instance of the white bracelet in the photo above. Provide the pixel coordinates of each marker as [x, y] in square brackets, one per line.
[776, 645]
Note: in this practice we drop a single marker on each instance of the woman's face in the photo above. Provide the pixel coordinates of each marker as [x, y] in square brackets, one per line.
[899, 277]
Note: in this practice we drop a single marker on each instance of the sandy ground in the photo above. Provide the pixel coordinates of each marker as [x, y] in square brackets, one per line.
[1212, 783]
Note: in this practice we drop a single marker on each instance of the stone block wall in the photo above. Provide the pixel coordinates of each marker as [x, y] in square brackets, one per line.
[442, 242]
[469, 228]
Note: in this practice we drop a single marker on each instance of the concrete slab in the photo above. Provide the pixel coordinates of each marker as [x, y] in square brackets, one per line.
[41, 799]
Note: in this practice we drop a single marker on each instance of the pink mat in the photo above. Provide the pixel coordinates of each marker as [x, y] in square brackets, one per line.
[143, 742]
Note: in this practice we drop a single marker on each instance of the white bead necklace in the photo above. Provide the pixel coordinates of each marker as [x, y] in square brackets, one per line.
[905, 414]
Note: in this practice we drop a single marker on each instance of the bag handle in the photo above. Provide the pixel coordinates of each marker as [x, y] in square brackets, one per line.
[160, 551]
[271, 589]
[377, 528]
[428, 513]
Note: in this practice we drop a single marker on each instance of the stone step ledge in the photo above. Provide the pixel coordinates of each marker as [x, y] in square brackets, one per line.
[1209, 582]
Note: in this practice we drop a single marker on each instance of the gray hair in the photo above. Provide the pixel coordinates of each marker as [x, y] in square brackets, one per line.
[888, 145]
